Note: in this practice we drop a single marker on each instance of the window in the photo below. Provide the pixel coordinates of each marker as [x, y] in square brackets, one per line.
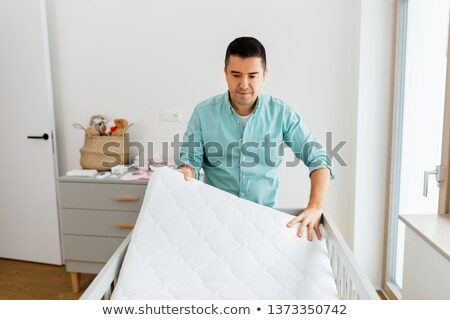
[421, 88]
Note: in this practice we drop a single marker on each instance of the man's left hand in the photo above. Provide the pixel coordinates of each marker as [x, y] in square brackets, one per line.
[309, 219]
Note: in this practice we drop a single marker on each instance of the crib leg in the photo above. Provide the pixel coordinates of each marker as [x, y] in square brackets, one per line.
[76, 277]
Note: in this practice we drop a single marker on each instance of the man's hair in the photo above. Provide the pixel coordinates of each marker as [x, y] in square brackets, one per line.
[246, 47]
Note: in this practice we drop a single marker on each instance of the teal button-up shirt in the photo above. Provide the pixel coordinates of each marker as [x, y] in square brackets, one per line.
[244, 161]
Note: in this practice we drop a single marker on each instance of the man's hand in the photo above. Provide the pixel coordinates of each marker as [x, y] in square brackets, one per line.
[309, 219]
[187, 171]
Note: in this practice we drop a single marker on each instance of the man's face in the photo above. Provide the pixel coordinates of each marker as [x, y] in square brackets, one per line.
[244, 77]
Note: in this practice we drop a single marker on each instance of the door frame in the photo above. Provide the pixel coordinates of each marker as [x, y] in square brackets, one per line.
[51, 110]
[444, 186]
[389, 288]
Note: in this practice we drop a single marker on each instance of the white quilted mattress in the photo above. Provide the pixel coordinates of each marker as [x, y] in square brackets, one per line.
[193, 241]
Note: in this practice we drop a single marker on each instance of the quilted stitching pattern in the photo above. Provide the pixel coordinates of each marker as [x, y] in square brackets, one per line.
[193, 241]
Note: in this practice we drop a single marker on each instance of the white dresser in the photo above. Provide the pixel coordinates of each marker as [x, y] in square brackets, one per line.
[96, 216]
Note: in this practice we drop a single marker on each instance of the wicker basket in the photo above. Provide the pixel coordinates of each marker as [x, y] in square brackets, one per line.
[102, 152]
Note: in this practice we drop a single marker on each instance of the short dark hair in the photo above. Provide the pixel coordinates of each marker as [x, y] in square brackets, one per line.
[246, 47]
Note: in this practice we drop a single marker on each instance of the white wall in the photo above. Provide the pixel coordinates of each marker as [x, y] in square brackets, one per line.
[376, 65]
[133, 59]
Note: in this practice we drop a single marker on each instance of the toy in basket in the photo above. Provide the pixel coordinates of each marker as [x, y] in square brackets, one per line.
[104, 143]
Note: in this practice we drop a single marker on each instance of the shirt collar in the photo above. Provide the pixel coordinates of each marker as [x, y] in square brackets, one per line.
[230, 107]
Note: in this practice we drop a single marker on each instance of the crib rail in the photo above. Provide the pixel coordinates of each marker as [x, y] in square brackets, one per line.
[103, 284]
[351, 282]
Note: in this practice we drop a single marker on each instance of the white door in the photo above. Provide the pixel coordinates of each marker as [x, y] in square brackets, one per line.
[29, 223]
[421, 135]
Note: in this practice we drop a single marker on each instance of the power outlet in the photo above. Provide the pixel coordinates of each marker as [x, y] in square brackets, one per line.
[171, 116]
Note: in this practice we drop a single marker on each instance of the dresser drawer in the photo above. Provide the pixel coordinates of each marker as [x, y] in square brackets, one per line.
[120, 197]
[87, 248]
[98, 222]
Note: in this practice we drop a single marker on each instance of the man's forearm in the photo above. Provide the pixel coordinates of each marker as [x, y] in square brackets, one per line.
[309, 219]
[320, 181]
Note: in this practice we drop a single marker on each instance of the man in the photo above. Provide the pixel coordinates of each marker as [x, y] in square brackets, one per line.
[237, 137]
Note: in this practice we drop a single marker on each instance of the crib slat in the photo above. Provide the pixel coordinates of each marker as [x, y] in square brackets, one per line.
[101, 285]
[360, 286]
[107, 295]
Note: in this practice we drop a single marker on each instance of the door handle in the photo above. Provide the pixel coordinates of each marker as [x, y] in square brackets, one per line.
[44, 136]
[439, 173]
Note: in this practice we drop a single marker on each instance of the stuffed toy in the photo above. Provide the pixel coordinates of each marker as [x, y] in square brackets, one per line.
[108, 128]
[121, 126]
[95, 125]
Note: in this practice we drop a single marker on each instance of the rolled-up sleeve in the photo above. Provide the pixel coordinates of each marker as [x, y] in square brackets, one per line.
[191, 151]
[304, 144]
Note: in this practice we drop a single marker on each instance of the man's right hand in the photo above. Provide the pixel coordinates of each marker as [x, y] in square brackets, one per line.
[187, 171]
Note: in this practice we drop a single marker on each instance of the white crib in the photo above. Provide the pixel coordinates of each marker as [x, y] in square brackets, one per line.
[193, 240]
[351, 282]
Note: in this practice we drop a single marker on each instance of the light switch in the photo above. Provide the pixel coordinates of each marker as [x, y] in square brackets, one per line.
[171, 116]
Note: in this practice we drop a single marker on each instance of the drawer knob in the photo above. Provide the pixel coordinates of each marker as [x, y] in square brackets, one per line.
[125, 225]
[126, 198]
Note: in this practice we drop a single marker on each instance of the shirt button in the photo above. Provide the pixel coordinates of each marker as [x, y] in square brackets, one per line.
[242, 194]
[237, 121]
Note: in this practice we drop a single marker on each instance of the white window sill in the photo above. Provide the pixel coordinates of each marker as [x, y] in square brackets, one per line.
[433, 228]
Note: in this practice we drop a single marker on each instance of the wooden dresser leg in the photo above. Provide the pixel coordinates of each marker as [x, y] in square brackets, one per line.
[75, 276]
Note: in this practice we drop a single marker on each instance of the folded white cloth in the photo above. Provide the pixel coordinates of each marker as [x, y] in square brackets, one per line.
[81, 173]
